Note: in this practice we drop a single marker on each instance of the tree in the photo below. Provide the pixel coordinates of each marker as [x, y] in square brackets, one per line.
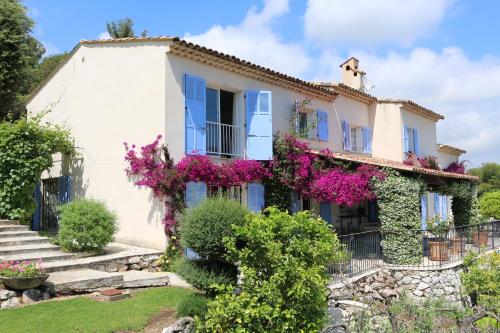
[489, 177]
[19, 53]
[44, 68]
[489, 204]
[121, 29]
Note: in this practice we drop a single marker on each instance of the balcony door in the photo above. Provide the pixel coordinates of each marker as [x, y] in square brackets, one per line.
[222, 135]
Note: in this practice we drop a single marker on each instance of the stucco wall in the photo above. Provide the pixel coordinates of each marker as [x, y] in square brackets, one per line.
[445, 159]
[106, 95]
[388, 132]
[426, 130]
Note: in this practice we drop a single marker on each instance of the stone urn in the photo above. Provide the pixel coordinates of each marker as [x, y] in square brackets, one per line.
[480, 238]
[457, 245]
[438, 250]
[23, 283]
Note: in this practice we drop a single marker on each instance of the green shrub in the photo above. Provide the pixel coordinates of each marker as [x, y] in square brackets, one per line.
[464, 205]
[481, 279]
[26, 149]
[398, 199]
[194, 305]
[204, 227]
[86, 225]
[489, 204]
[283, 260]
[204, 275]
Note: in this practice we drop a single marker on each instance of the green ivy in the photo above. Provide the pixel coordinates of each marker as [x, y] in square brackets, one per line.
[26, 149]
[398, 198]
[465, 206]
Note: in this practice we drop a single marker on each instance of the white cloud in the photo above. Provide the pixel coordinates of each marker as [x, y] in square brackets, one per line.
[254, 40]
[466, 91]
[371, 23]
[104, 35]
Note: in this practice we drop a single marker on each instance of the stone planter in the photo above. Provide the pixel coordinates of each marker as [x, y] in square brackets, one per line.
[23, 283]
[480, 238]
[438, 250]
[457, 245]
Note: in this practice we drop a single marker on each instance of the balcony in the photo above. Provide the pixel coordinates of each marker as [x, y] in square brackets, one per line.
[224, 140]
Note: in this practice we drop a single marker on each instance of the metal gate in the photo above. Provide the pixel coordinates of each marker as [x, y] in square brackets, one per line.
[50, 200]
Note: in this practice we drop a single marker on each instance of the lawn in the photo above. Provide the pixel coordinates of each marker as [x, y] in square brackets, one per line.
[85, 315]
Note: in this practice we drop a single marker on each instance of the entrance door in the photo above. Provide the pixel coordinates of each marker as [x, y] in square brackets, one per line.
[50, 200]
[55, 192]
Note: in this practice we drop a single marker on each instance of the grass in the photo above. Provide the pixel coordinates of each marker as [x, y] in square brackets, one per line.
[82, 314]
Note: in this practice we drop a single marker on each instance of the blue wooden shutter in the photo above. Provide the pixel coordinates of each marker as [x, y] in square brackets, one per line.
[196, 192]
[423, 205]
[322, 118]
[195, 114]
[294, 204]
[367, 140]
[415, 142]
[255, 197]
[64, 187]
[325, 212]
[259, 125]
[346, 135]
[444, 207]
[37, 195]
[437, 206]
[406, 139]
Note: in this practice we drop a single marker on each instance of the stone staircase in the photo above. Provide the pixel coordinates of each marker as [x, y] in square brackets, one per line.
[74, 273]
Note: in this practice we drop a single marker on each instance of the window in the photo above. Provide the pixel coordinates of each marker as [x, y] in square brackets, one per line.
[411, 141]
[233, 192]
[302, 124]
[354, 141]
[221, 133]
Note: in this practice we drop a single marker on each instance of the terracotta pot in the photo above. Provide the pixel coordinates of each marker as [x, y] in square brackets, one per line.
[458, 245]
[480, 238]
[438, 250]
[23, 283]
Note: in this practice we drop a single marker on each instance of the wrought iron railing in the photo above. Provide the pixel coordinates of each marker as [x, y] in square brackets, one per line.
[365, 250]
[223, 139]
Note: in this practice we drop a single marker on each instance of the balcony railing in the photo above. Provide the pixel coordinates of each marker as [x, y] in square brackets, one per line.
[365, 251]
[223, 139]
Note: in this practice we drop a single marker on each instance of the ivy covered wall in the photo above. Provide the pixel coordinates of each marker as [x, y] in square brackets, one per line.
[464, 205]
[398, 198]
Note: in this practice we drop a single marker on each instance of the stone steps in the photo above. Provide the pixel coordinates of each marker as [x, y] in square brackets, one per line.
[13, 227]
[46, 256]
[27, 248]
[9, 222]
[82, 280]
[23, 241]
[13, 234]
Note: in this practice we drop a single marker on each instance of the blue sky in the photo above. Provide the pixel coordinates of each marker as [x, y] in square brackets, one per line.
[443, 54]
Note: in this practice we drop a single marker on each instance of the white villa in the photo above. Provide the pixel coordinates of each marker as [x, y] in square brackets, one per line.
[132, 89]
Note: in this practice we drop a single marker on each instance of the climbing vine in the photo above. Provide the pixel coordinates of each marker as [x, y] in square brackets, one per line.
[465, 206]
[398, 199]
[26, 149]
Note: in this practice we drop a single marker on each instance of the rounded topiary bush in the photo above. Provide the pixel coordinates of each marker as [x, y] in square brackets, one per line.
[204, 227]
[86, 225]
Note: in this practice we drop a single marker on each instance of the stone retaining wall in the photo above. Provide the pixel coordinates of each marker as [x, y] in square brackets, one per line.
[148, 263]
[355, 295]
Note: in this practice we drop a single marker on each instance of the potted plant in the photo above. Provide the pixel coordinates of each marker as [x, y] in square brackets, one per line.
[340, 263]
[480, 235]
[22, 275]
[458, 242]
[438, 246]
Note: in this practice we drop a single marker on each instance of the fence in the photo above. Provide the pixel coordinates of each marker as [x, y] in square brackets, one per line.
[365, 250]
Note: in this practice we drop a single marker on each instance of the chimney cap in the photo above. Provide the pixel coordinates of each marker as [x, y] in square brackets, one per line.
[348, 60]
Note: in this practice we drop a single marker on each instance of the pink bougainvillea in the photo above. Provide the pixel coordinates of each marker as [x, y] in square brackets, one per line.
[456, 167]
[310, 174]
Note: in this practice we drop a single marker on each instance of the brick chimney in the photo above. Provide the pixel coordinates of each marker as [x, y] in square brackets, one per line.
[352, 76]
